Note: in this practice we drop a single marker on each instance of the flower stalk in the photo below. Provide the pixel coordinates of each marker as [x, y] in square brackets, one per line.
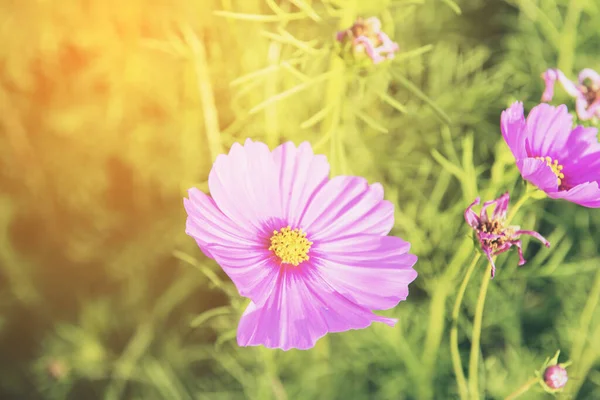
[456, 362]
[493, 241]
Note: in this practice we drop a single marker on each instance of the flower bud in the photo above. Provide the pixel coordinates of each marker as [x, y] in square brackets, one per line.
[555, 377]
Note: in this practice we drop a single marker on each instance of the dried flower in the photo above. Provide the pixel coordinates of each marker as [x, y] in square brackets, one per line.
[312, 253]
[493, 236]
[365, 36]
[561, 161]
[586, 90]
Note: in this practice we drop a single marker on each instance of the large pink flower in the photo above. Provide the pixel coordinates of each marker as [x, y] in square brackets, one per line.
[312, 253]
[561, 160]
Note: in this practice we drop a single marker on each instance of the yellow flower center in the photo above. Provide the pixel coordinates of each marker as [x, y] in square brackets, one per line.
[290, 245]
[556, 168]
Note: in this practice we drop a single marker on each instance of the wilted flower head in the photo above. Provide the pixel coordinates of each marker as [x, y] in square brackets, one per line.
[555, 377]
[365, 36]
[312, 253]
[586, 90]
[493, 236]
[562, 161]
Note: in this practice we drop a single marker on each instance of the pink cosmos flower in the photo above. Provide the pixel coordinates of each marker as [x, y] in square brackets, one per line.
[312, 253]
[493, 236]
[586, 91]
[562, 161]
[366, 36]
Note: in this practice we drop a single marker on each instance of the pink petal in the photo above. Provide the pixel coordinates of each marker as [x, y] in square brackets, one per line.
[548, 130]
[517, 244]
[582, 141]
[538, 173]
[488, 236]
[387, 45]
[373, 271]
[347, 205]
[244, 185]
[588, 73]
[586, 194]
[299, 175]
[535, 235]
[253, 271]
[587, 169]
[585, 111]
[501, 207]
[595, 108]
[488, 255]
[369, 48]
[507, 246]
[550, 76]
[514, 129]
[244, 259]
[302, 309]
[483, 214]
[207, 224]
[470, 215]
[581, 157]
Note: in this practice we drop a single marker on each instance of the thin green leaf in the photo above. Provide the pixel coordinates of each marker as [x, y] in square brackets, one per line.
[304, 6]
[289, 92]
[453, 169]
[205, 316]
[410, 86]
[453, 6]
[413, 53]
[315, 119]
[286, 38]
[225, 337]
[371, 122]
[262, 72]
[260, 17]
[392, 102]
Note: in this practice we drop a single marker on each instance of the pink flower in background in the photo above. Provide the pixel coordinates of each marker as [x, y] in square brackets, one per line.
[312, 253]
[561, 160]
[586, 91]
[366, 37]
[493, 236]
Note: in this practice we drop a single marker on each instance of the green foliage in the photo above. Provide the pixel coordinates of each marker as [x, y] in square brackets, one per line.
[104, 296]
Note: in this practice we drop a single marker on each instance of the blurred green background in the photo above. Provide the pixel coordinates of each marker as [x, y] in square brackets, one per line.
[111, 110]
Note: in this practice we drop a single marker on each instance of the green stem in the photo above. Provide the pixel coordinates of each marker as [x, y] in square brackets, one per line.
[474, 358]
[584, 365]
[577, 351]
[437, 315]
[334, 97]
[517, 206]
[569, 36]
[271, 387]
[433, 339]
[456, 362]
[523, 389]
[475, 340]
[206, 92]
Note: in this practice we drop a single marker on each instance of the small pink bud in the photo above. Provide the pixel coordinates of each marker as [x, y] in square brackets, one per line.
[555, 377]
